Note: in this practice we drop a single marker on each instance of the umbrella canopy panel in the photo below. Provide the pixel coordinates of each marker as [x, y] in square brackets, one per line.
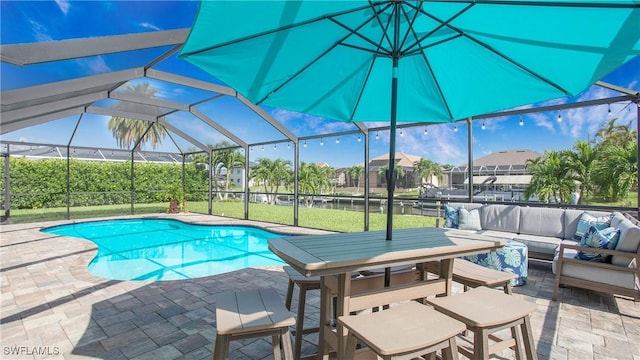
[456, 59]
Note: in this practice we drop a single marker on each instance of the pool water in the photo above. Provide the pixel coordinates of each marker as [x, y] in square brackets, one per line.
[164, 249]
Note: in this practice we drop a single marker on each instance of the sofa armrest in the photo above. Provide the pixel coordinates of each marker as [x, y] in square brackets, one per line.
[595, 264]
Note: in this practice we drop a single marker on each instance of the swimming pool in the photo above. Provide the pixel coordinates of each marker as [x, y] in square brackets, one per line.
[165, 249]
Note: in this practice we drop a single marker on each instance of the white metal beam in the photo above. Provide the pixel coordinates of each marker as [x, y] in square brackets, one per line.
[123, 96]
[120, 113]
[163, 122]
[41, 94]
[268, 118]
[182, 80]
[17, 125]
[221, 129]
[50, 107]
[40, 52]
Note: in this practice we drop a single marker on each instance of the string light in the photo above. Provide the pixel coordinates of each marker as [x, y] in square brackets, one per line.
[251, 149]
[359, 138]
[521, 123]
[305, 143]
[262, 147]
[337, 140]
[483, 126]
[377, 135]
[401, 133]
[560, 117]
[455, 128]
[609, 111]
[426, 132]
[321, 141]
[275, 147]
[288, 145]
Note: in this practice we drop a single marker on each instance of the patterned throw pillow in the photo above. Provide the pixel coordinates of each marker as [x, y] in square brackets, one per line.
[451, 218]
[587, 220]
[598, 239]
[469, 220]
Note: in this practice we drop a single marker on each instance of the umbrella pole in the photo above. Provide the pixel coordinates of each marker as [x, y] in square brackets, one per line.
[391, 172]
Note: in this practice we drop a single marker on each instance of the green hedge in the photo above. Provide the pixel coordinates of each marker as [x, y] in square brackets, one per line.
[43, 183]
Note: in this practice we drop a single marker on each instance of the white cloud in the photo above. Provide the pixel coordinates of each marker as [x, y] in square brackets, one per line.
[441, 144]
[64, 6]
[540, 120]
[40, 32]
[149, 26]
[95, 65]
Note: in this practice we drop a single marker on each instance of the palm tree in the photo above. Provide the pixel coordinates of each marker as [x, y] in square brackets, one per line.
[581, 163]
[313, 179]
[226, 158]
[128, 131]
[551, 179]
[611, 133]
[617, 170]
[354, 173]
[271, 173]
[426, 169]
[382, 171]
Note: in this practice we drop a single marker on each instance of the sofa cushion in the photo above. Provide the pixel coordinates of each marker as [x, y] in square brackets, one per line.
[587, 220]
[572, 217]
[451, 217]
[617, 219]
[498, 234]
[598, 239]
[539, 244]
[542, 221]
[593, 274]
[500, 218]
[469, 220]
[629, 241]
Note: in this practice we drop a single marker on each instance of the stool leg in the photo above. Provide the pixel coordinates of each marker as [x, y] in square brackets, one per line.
[350, 351]
[507, 288]
[515, 333]
[302, 300]
[287, 302]
[286, 345]
[529, 348]
[221, 351]
[451, 352]
[275, 343]
[481, 344]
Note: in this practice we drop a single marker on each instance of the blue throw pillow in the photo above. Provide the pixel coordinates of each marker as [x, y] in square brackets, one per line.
[598, 239]
[451, 217]
[587, 220]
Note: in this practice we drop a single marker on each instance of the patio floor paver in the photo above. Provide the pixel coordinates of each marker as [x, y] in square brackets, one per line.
[53, 308]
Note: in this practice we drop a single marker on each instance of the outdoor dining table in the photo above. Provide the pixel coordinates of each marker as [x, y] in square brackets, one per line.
[335, 257]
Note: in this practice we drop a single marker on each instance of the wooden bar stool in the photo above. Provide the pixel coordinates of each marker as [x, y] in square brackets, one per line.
[473, 275]
[404, 331]
[304, 284]
[485, 311]
[249, 314]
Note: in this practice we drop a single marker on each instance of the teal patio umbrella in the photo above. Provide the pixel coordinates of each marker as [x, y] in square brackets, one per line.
[411, 61]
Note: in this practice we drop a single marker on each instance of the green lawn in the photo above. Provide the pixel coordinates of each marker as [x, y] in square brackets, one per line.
[337, 220]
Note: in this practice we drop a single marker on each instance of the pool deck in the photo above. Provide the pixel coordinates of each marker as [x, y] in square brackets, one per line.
[53, 308]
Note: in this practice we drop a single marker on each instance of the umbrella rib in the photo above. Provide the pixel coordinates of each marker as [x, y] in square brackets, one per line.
[442, 24]
[545, 3]
[410, 21]
[282, 28]
[433, 75]
[304, 68]
[364, 83]
[356, 33]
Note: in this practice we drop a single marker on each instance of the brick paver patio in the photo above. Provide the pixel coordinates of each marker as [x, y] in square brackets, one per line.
[53, 308]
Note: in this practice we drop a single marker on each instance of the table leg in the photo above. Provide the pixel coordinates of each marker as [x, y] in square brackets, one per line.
[446, 272]
[325, 319]
[343, 296]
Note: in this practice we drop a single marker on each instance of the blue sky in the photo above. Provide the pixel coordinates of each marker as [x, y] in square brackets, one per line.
[31, 21]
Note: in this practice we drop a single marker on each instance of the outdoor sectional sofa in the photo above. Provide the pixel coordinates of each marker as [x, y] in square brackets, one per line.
[554, 234]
